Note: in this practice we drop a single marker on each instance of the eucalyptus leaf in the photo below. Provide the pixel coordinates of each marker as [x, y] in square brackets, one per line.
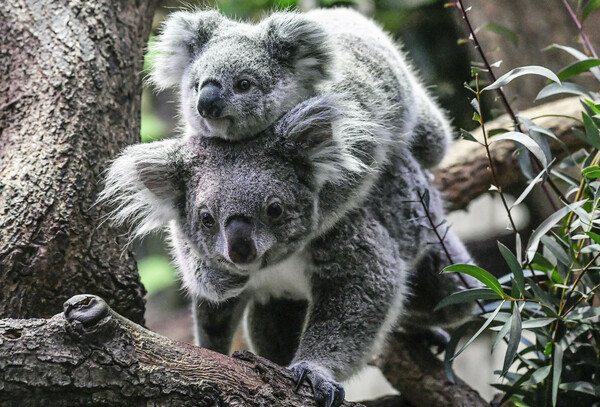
[480, 274]
[471, 294]
[488, 321]
[577, 54]
[515, 267]
[546, 225]
[562, 88]
[526, 141]
[577, 68]
[514, 339]
[520, 71]
[556, 371]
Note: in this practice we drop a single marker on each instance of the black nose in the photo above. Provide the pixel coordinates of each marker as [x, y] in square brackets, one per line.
[210, 103]
[241, 248]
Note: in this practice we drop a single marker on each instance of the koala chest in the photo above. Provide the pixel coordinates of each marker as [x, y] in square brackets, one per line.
[288, 279]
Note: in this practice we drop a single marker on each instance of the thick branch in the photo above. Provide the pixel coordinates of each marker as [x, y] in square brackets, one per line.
[464, 173]
[420, 377]
[90, 355]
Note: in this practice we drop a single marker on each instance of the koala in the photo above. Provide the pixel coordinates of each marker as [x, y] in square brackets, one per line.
[237, 79]
[265, 228]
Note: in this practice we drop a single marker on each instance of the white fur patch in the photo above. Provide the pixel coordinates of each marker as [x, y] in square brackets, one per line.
[288, 279]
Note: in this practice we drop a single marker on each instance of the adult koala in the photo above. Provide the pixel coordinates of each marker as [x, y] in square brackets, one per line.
[236, 79]
[272, 225]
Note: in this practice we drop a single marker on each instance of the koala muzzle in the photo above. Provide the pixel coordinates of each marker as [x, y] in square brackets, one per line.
[210, 102]
[240, 245]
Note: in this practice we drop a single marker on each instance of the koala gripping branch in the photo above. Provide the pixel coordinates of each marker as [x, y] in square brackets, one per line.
[90, 355]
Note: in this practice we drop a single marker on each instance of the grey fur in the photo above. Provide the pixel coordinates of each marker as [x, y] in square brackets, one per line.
[290, 57]
[355, 258]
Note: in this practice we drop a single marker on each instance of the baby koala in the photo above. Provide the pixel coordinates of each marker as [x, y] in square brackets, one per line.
[236, 79]
[267, 227]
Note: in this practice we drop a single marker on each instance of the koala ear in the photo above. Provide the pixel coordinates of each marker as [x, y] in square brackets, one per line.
[296, 40]
[183, 35]
[142, 186]
[326, 130]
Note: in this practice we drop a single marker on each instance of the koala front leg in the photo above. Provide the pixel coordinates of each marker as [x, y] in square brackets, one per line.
[215, 323]
[357, 288]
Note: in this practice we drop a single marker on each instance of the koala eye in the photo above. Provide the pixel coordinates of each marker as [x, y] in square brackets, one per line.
[196, 85]
[243, 85]
[275, 209]
[207, 220]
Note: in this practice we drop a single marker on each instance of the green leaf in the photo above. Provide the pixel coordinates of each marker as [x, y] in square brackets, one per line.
[514, 340]
[546, 225]
[471, 294]
[556, 371]
[538, 375]
[523, 70]
[592, 172]
[467, 136]
[514, 266]
[581, 386]
[556, 250]
[564, 87]
[594, 236]
[526, 141]
[577, 68]
[480, 274]
[502, 333]
[577, 54]
[529, 188]
[483, 327]
[502, 31]
[589, 8]
[591, 130]
[451, 347]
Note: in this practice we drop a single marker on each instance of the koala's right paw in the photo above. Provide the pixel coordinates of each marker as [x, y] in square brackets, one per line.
[328, 393]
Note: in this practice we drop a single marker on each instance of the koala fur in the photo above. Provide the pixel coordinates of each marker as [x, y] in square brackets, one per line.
[266, 227]
[285, 59]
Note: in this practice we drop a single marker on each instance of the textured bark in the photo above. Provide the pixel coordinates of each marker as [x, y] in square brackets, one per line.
[70, 87]
[91, 356]
[464, 174]
[420, 377]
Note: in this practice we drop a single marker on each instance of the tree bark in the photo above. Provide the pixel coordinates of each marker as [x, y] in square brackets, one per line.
[91, 356]
[464, 173]
[70, 90]
[419, 376]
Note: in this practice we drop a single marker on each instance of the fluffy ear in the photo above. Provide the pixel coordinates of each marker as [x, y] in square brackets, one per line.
[328, 131]
[296, 40]
[143, 185]
[183, 35]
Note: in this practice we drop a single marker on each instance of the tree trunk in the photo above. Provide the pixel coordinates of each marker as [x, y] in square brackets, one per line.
[70, 86]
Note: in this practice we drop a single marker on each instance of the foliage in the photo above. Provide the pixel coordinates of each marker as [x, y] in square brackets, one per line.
[546, 307]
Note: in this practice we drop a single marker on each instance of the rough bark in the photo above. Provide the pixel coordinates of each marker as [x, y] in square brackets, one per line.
[70, 87]
[420, 377]
[464, 175]
[91, 356]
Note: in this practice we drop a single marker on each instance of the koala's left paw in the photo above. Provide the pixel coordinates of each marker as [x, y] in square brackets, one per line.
[328, 393]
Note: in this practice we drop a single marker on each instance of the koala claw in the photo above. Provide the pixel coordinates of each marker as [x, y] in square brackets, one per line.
[438, 338]
[327, 392]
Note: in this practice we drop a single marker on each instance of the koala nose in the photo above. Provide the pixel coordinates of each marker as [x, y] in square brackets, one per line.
[241, 248]
[210, 103]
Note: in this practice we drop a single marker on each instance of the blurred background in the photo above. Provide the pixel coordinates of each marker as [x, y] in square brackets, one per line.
[512, 32]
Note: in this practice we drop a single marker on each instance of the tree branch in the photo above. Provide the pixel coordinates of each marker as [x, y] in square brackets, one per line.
[90, 355]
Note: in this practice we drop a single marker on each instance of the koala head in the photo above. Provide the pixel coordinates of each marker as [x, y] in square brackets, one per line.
[242, 205]
[237, 79]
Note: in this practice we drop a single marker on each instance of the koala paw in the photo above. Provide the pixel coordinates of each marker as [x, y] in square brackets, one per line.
[327, 392]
